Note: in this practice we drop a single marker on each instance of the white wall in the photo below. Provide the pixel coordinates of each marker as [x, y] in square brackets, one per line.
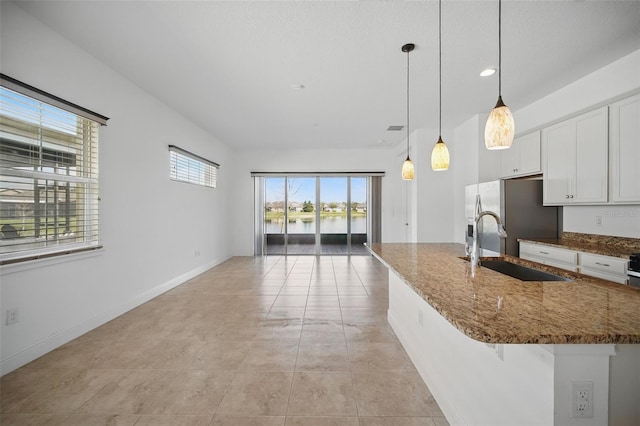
[151, 227]
[617, 221]
[434, 190]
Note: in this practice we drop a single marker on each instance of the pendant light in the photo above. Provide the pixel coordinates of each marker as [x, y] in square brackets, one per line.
[440, 153]
[407, 167]
[500, 128]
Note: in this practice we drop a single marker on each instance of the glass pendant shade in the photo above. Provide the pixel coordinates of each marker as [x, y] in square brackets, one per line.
[407, 169]
[500, 128]
[440, 156]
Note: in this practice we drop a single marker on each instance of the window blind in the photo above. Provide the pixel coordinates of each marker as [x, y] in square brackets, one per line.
[49, 185]
[185, 166]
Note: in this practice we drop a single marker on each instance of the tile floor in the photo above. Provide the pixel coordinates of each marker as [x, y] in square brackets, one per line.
[265, 341]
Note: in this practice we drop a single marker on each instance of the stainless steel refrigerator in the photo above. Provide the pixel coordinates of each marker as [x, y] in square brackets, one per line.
[519, 204]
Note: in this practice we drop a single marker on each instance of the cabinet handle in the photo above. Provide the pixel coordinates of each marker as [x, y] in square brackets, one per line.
[543, 252]
[570, 196]
[566, 196]
[603, 264]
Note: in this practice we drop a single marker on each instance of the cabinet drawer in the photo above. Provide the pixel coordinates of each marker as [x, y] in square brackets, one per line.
[606, 264]
[620, 279]
[550, 254]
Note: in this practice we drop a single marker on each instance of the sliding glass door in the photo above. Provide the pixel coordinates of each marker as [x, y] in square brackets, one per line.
[312, 214]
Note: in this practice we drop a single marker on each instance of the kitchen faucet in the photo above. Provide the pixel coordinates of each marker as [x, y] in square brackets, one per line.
[475, 255]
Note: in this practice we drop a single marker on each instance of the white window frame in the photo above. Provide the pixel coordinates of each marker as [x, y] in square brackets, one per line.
[33, 163]
[187, 167]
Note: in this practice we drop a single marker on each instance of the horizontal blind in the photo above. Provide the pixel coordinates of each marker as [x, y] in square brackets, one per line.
[190, 168]
[49, 187]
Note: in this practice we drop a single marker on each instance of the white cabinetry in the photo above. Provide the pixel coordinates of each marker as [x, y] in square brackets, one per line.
[574, 160]
[624, 146]
[605, 267]
[595, 265]
[523, 158]
[552, 256]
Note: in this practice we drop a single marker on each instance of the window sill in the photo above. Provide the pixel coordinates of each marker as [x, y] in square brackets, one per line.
[40, 261]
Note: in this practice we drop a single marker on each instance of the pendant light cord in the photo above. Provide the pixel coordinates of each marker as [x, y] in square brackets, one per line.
[408, 104]
[440, 68]
[499, 48]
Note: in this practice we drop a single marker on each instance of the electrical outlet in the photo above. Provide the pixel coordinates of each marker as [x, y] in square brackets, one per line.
[599, 220]
[582, 399]
[12, 316]
[420, 317]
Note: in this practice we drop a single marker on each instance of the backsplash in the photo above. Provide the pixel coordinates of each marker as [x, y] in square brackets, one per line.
[622, 243]
[610, 220]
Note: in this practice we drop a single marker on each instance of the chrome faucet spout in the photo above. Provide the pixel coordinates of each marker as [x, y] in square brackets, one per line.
[475, 252]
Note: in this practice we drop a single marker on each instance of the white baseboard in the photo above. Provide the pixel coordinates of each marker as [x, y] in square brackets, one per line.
[58, 339]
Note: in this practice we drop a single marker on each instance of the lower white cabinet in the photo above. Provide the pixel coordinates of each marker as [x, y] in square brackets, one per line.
[552, 256]
[604, 267]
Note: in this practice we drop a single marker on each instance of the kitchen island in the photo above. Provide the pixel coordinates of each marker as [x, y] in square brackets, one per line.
[497, 350]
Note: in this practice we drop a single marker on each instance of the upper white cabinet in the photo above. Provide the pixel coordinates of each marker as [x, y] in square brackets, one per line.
[574, 160]
[624, 146]
[523, 158]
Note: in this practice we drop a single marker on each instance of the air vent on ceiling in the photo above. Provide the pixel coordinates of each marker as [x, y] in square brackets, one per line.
[395, 128]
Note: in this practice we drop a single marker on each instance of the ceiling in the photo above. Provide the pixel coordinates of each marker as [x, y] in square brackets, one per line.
[230, 66]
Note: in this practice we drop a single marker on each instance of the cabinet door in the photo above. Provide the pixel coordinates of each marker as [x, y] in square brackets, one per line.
[625, 150]
[558, 158]
[591, 161]
[529, 154]
[510, 160]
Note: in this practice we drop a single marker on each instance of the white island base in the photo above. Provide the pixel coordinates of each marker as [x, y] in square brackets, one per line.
[512, 384]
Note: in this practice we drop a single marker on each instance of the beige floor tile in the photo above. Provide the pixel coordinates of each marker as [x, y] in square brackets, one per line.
[247, 421]
[316, 393]
[323, 357]
[74, 389]
[352, 291]
[294, 291]
[393, 394]
[281, 312]
[323, 291]
[314, 314]
[35, 420]
[132, 392]
[193, 392]
[364, 315]
[219, 355]
[257, 394]
[322, 332]
[279, 330]
[322, 421]
[396, 421]
[369, 333]
[22, 383]
[101, 419]
[366, 356]
[291, 301]
[323, 301]
[271, 356]
[173, 420]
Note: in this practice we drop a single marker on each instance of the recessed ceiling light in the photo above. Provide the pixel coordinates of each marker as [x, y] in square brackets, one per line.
[488, 72]
[297, 86]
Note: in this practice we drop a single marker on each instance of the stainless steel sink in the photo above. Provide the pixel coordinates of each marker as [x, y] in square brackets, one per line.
[520, 272]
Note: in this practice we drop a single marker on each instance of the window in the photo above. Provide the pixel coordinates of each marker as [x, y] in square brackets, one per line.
[190, 168]
[49, 169]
